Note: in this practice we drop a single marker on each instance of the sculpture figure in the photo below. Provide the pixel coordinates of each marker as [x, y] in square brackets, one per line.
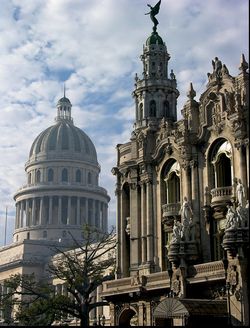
[176, 232]
[240, 192]
[217, 66]
[185, 211]
[231, 217]
[153, 12]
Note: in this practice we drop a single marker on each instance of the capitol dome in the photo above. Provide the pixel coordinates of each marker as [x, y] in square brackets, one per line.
[62, 192]
[63, 140]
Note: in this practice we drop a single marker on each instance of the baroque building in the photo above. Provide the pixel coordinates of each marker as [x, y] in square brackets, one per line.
[182, 210]
[62, 194]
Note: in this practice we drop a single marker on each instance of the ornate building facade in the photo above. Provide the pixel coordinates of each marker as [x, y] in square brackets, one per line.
[62, 193]
[182, 209]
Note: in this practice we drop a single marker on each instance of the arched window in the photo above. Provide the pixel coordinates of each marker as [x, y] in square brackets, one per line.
[152, 108]
[89, 178]
[64, 175]
[50, 175]
[38, 176]
[166, 112]
[78, 176]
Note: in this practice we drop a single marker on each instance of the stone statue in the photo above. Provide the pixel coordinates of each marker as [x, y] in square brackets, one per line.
[176, 237]
[217, 66]
[185, 211]
[153, 12]
[240, 193]
[231, 217]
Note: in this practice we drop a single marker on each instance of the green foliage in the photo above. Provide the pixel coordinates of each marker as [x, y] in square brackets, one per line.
[80, 270]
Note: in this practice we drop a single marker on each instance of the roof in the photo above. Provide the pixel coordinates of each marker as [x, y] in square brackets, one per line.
[154, 39]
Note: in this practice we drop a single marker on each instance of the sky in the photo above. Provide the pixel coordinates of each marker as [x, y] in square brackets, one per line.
[94, 47]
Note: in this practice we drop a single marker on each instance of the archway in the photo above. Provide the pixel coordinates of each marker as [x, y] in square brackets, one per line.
[128, 318]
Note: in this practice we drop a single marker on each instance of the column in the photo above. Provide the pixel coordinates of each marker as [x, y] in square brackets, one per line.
[143, 226]
[93, 214]
[17, 216]
[59, 219]
[97, 215]
[247, 163]
[134, 224]
[149, 199]
[78, 211]
[27, 214]
[50, 209]
[41, 212]
[243, 168]
[195, 194]
[33, 211]
[21, 213]
[86, 218]
[121, 221]
[69, 218]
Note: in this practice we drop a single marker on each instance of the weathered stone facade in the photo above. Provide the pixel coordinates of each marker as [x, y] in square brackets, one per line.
[176, 180]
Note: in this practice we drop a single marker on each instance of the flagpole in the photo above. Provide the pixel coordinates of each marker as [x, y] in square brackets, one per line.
[5, 228]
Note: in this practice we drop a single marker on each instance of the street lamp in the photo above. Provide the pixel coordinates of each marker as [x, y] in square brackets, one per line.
[225, 264]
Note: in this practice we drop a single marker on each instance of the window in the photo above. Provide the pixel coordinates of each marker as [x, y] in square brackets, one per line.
[78, 176]
[89, 178]
[50, 175]
[64, 175]
[38, 176]
[29, 178]
[152, 108]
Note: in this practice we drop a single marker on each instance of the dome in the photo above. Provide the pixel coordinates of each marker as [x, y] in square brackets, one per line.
[154, 39]
[63, 140]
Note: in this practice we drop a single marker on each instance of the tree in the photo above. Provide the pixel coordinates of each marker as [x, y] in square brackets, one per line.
[81, 270]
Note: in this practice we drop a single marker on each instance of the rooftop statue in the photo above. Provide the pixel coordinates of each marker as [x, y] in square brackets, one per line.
[153, 12]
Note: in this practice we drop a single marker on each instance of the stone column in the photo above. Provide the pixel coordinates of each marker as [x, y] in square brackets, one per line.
[141, 314]
[27, 214]
[50, 209]
[134, 224]
[87, 219]
[69, 218]
[33, 211]
[93, 215]
[187, 184]
[59, 210]
[149, 197]
[121, 218]
[17, 217]
[243, 168]
[143, 226]
[78, 211]
[195, 188]
[41, 212]
[21, 213]
[119, 229]
[247, 163]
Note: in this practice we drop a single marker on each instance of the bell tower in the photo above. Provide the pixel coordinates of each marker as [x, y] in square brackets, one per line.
[156, 91]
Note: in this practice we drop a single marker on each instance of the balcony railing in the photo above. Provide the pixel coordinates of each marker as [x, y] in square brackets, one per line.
[171, 209]
[221, 194]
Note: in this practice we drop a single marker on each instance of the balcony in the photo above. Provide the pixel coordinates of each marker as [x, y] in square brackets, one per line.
[171, 209]
[221, 195]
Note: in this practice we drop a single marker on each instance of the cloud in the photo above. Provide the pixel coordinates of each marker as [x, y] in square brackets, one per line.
[94, 47]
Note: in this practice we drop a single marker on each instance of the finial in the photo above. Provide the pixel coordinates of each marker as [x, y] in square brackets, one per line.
[64, 90]
[243, 64]
[191, 92]
[153, 12]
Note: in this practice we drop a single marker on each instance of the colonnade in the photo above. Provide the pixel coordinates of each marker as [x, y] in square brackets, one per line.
[57, 210]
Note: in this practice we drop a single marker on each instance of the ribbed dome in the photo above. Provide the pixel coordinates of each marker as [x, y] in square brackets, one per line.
[63, 140]
[154, 39]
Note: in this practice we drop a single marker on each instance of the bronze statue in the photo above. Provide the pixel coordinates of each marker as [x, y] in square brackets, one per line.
[153, 12]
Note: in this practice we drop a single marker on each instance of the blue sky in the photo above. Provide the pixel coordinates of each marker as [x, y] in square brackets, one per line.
[94, 47]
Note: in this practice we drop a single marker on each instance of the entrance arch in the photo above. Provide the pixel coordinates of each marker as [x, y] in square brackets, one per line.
[127, 315]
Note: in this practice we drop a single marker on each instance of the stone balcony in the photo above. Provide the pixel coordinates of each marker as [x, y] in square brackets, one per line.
[171, 209]
[221, 195]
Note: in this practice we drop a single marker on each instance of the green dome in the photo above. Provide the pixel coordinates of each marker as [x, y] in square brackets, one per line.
[154, 39]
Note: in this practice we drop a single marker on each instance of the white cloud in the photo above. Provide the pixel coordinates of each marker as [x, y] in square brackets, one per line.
[95, 46]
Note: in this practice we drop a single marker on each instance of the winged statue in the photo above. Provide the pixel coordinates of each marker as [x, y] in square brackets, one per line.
[153, 12]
